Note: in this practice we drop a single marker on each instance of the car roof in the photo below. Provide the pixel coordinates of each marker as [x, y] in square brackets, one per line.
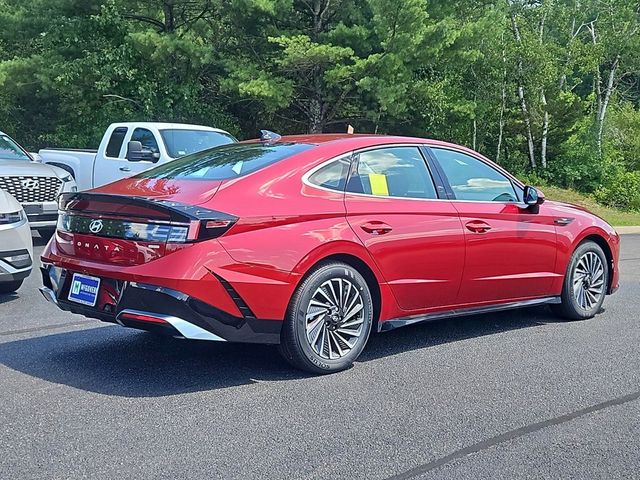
[363, 140]
[166, 126]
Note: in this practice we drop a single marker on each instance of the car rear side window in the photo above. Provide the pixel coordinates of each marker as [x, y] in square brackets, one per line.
[392, 172]
[226, 162]
[115, 142]
[472, 179]
[332, 176]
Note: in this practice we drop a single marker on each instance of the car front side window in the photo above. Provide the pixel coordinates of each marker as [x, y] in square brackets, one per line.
[472, 179]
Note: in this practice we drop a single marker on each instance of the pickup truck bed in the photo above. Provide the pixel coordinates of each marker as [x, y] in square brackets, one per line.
[78, 162]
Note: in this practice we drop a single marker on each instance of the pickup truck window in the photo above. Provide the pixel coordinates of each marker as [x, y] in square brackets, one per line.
[115, 142]
[181, 142]
[146, 138]
[225, 162]
[9, 150]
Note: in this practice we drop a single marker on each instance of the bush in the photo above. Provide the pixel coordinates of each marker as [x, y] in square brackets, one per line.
[621, 190]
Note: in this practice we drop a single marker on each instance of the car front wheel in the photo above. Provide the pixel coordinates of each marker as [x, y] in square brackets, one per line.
[328, 321]
[585, 283]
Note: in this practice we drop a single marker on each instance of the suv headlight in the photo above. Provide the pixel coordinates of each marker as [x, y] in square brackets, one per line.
[66, 180]
[8, 218]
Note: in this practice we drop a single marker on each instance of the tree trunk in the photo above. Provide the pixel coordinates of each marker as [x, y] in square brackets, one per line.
[503, 103]
[523, 101]
[545, 132]
[602, 113]
[317, 111]
[545, 121]
[169, 17]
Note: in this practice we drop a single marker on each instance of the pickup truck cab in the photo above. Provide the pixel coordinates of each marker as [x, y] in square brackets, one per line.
[130, 148]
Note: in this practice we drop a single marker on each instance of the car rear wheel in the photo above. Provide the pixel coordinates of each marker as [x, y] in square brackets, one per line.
[585, 283]
[10, 287]
[328, 321]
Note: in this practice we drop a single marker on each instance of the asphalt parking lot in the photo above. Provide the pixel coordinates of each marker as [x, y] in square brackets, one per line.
[509, 395]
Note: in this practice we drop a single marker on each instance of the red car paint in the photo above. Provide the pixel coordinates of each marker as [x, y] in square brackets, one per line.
[424, 255]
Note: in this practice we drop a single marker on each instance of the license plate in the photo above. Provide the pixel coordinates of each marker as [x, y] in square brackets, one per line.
[84, 289]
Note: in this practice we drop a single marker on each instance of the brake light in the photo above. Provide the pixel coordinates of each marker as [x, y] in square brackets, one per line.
[139, 219]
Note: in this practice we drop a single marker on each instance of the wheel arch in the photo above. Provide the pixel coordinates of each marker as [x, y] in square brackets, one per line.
[353, 258]
[606, 248]
[64, 167]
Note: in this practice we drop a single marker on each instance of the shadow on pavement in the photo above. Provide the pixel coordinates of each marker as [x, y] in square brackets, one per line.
[118, 361]
[8, 297]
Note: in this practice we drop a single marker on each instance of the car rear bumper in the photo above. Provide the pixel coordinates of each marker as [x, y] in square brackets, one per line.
[158, 309]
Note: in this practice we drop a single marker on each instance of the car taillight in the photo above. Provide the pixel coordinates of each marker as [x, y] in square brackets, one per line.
[206, 229]
[151, 231]
[139, 219]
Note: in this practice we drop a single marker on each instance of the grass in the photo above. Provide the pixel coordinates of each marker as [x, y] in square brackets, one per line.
[614, 216]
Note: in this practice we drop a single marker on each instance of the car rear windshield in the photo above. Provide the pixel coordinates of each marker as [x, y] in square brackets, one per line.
[225, 162]
[184, 142]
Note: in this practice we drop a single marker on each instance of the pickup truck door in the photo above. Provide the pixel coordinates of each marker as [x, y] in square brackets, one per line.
[109, 168]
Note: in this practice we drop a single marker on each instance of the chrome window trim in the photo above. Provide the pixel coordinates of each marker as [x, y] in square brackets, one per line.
[305, 177]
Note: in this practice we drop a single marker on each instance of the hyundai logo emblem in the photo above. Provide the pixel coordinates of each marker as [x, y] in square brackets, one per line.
[30, 184]
[95, 226]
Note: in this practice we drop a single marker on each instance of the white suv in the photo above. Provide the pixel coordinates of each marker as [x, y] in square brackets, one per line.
[36, 186]
[16, 247]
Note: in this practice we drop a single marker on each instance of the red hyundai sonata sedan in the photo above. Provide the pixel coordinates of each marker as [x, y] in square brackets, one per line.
[312, 242]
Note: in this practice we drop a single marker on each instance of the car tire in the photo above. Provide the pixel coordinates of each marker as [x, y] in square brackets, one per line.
[585, 283]
[10, 287]
[328, 320]
[46, 232]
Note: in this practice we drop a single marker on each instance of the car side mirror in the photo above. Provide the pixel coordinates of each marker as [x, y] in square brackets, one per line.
[533, 196]
[135, 153]
[35, 157]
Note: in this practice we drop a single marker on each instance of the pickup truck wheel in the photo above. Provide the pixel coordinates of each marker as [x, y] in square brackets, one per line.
[10, 287]
[46, 232]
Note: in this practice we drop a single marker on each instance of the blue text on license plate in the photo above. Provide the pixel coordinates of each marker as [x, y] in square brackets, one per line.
[84, 289]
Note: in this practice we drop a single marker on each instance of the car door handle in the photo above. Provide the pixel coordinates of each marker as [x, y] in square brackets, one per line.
[125, 169]
[376, 228]
[477, 226]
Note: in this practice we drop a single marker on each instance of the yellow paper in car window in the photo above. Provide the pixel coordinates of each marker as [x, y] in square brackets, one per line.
[379, 184]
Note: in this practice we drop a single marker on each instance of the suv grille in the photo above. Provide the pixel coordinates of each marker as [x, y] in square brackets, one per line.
[32, 189]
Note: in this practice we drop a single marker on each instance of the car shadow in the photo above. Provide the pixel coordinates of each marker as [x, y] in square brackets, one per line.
[8, 297]
[118, 361]
[39, 241]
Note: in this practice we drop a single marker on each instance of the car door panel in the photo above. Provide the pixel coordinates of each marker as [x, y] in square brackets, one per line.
[421, 255]
[514, 258]
[113, 169]
[510, 249]
[417, 243]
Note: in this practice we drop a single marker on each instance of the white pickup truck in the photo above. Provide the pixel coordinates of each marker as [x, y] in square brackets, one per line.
[130, 148]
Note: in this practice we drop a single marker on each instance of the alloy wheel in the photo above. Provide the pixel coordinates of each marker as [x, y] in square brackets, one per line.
[588, 280]
[334, 318]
